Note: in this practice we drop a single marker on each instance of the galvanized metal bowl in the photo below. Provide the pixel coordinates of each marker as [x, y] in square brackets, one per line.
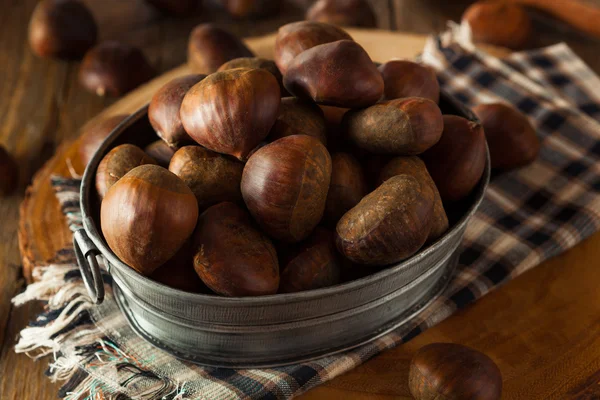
[270, 330]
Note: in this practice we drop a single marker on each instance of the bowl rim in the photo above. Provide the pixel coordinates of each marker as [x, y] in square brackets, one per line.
[122, 270]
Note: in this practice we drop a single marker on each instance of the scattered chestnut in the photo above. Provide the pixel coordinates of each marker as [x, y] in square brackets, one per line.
[160, 152]
[403, 78]
[347, 188]
[457, 161]
[296, 37]
[453, 372]
[314, 264]
[510, 136]
[253, 63]
[298, 117]
[338, 74]
[231, 111]
[499, 23]
[116, 163]
[163, 111]
[251, 8]
[342, 12]
[415, 167]
[147, 216]
[209, 47]
[232, 257]
[94, 133]
[212, 177]
[285, 184]
[176, 7]
[113, 68]
[62, 28]
[9, 172]
[402, 126]
[179, 272]
[389, 224]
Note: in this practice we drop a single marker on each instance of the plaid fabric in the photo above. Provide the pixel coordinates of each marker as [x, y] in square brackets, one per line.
[527, 216]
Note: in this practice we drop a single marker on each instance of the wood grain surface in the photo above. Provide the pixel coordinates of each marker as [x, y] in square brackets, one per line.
[541, 328]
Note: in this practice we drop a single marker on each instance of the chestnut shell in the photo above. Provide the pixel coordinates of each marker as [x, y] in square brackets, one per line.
[342, 12]
[253, 63]
[299, 117]
[403, 78]
[160, 152]
[499, 23]
[347, 188]
[93, 134]
[251, 8]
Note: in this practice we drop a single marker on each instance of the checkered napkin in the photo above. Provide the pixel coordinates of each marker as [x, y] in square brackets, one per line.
[527, 216]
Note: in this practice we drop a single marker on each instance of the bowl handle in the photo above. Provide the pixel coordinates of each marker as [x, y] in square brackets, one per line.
[86, 253]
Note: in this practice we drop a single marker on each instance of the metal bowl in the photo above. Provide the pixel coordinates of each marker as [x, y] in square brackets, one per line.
[272, 330]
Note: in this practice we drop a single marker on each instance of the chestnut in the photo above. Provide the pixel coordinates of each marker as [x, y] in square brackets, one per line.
[176, 7]
[312, 265]
[402, 126]
[253, 63]
[94, 133]
[231, 111]
[147, 216]
[116, 163]
[415, 167]
[510, 136]
[179, 272]
[62, 28]
[113, 68]
[209, 47]
[454, 372]
[403, 78]
[232, 257]
[336, 140]
[9, 172]
[499, 23]
[163, 111]
[212, 177]
[298, 117]
[285, 184]
[296, 37]
[251, 8]
[347, 188]
[388, 225]
[342, 12]
[160, 152]
[457, 161]
[338, 74]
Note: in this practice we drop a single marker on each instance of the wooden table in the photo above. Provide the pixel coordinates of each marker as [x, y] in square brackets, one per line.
[540, 328]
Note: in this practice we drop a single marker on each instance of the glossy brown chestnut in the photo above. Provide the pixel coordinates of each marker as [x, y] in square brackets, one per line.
[176, 7]
[499, 23]
[179, 272]
[403, 126]
[113, 69]
[116, 163]
[147, 216]
[163, 111]
[389, 224]
[251, 8]
[312, 265]
[231, 111]
[453, 372]
[298, 117]
[415, 167]
[232, 257]
[347, 188]
[62, 28]
[342, 12]
[403, 78]
[94, 133]
[9, 172]
[457, 161]
[338, 74]
[510, 136]
[212, 177]
[296, 37]
[253, 63]
[209, 47]
[160, 152]
[285, 184]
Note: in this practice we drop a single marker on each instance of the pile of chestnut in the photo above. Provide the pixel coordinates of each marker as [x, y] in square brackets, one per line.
[278, 176]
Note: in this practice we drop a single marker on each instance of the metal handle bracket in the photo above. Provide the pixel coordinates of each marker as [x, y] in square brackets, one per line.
[86, 253]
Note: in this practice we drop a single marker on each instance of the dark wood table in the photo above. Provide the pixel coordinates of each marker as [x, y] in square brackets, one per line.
[540, 328]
